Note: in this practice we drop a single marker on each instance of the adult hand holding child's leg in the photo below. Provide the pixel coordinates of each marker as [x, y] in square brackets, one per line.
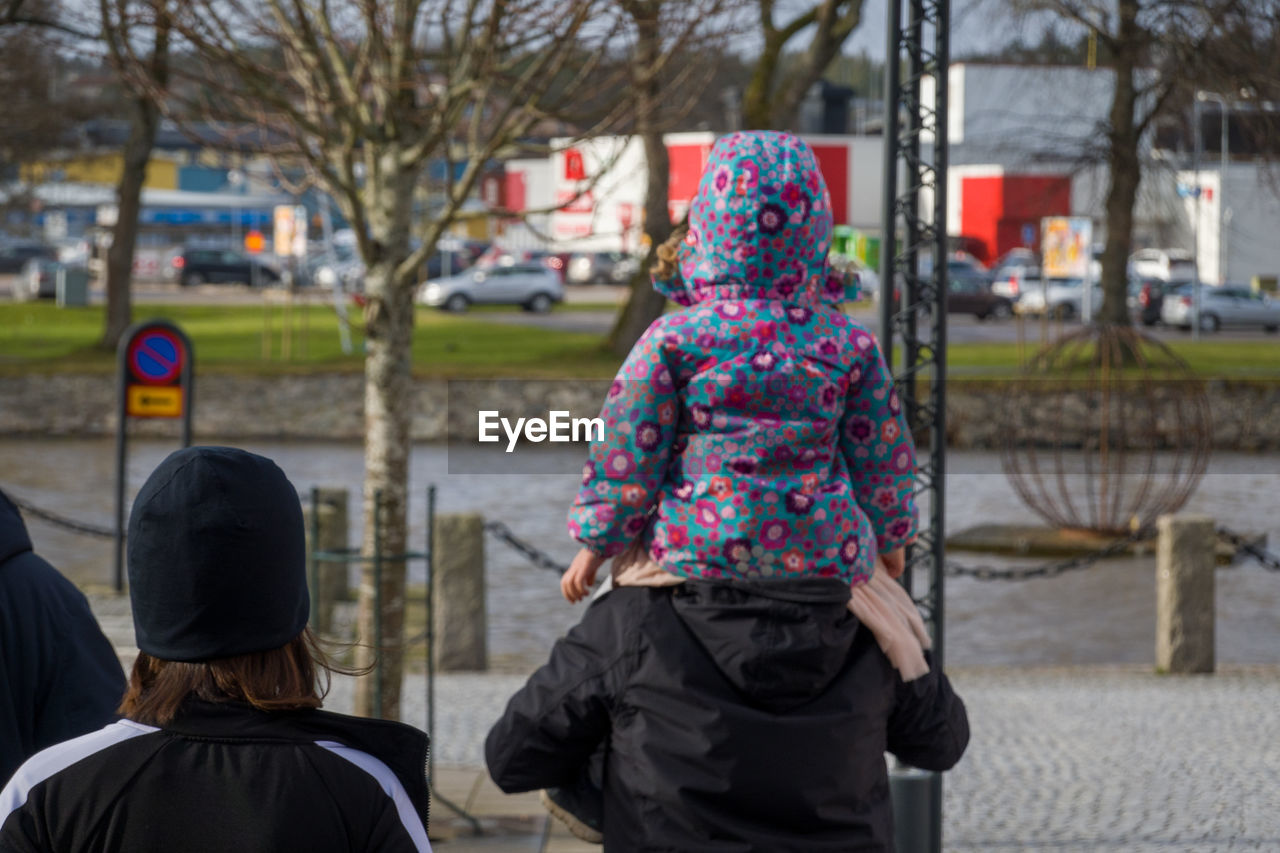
[576, 583]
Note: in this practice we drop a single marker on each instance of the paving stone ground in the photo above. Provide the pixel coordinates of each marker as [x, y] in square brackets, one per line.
[1061, 759]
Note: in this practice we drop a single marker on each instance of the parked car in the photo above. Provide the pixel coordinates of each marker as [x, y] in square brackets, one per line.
[216, 266]
[37, 280]
[1013, 278]
[972, 294]
[1149, 296]
[14, 256]
[530, 285]
[1229, 305]
[600, 268]
[460, 255]
[1164, 264]
[1065, 297]
[1014, 258]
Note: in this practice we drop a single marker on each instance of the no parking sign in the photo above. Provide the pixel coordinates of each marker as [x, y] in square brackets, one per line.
[154, 380]
[157, 356]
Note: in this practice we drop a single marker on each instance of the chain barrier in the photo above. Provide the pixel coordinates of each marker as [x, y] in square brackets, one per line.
[1265, 558]
[543, 560]
[535, 555]
[61, 520]
[1049, 570]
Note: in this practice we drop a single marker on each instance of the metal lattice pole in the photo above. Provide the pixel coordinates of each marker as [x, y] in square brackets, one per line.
[914, 265]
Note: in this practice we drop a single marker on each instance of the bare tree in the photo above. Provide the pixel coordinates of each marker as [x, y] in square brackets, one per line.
[117, 25]
[663, 91]
[777, 86]
[365, 95]
[120, 31]
[1177, 44]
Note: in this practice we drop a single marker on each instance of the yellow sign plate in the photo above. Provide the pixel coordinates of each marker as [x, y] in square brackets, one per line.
[146, 401]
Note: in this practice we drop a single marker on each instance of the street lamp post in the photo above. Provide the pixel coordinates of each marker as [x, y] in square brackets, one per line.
[1195, 226]
[1224, 150]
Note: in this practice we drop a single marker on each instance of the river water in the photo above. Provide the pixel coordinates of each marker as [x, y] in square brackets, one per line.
[1105, 614]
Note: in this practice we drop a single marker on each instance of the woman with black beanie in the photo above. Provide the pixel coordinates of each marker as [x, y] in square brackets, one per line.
[221, 745]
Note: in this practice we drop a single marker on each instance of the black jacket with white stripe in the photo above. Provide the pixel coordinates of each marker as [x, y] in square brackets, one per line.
[224, 776]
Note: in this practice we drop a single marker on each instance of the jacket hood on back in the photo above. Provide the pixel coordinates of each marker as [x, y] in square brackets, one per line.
[14, 538]
[780, 643]
[760, 226]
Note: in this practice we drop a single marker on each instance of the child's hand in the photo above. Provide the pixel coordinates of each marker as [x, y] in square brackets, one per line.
[576, 583]
[894, 562]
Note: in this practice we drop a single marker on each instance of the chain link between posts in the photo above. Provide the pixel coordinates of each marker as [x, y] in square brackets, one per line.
[1265, 558]
[61, 520]
[541, 559]
[533, 554]
[1053, 569]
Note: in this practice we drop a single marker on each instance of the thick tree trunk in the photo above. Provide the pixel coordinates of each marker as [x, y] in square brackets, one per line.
[124, 234]
[757, 98]
[645, 304]
[388, 407]
[1125, 173]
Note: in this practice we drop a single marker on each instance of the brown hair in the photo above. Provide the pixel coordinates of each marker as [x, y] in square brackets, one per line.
[667, 253]
[292, 677]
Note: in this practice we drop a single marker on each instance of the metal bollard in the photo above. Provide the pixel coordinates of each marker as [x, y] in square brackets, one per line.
[1185, 566]
[461, 623]
[917, 798]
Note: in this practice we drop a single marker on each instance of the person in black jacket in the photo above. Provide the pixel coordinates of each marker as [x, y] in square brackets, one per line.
[738, 716]
[222, 746]
[59, 676]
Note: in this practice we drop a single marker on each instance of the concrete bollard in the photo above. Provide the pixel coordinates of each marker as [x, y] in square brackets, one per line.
[461, 623]
[1185, 565]
[332, 505]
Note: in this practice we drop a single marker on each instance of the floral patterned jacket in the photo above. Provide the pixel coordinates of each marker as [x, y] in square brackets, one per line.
[756, 432]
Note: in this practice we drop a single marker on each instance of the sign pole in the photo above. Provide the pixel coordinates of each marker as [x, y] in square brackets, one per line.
[121, 417]
[155, 378]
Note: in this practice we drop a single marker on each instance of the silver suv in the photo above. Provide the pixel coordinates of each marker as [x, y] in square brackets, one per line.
[531, 286]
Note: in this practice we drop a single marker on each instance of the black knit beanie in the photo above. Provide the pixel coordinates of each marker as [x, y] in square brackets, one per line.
[217, 557]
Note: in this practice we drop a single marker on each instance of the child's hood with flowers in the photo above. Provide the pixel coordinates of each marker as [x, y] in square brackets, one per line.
[756, 432]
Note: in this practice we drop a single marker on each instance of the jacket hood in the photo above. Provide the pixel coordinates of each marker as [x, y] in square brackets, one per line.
[760, 226]
[780, 642]
[14, 538]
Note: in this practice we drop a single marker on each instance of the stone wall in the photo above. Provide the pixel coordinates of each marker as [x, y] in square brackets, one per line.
[330, 406]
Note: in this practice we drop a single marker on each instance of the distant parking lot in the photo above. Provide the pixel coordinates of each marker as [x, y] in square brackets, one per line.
[960, 328]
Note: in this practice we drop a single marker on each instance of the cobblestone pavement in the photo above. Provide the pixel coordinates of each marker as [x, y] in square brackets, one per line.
[1061, 759]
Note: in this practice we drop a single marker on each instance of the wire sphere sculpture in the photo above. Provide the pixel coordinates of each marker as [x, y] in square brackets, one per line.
[1106, 430]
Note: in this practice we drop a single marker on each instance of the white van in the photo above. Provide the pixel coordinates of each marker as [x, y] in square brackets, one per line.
[1172, 265]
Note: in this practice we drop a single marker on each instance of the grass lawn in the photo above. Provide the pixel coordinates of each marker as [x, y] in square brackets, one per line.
[1211, 359]
[231, 339]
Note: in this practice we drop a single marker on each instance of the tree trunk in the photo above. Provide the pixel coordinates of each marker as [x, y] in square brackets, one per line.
[757, 100]
[1125, 173]
[645, 304]
[124, 234]
[388, 408]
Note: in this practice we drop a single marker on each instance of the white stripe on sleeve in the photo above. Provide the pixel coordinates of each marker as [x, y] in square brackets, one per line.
[59, 757]
[390, 786]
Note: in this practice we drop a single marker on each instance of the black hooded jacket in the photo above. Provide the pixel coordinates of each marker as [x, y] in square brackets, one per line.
[739, 717]
[59, 676]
